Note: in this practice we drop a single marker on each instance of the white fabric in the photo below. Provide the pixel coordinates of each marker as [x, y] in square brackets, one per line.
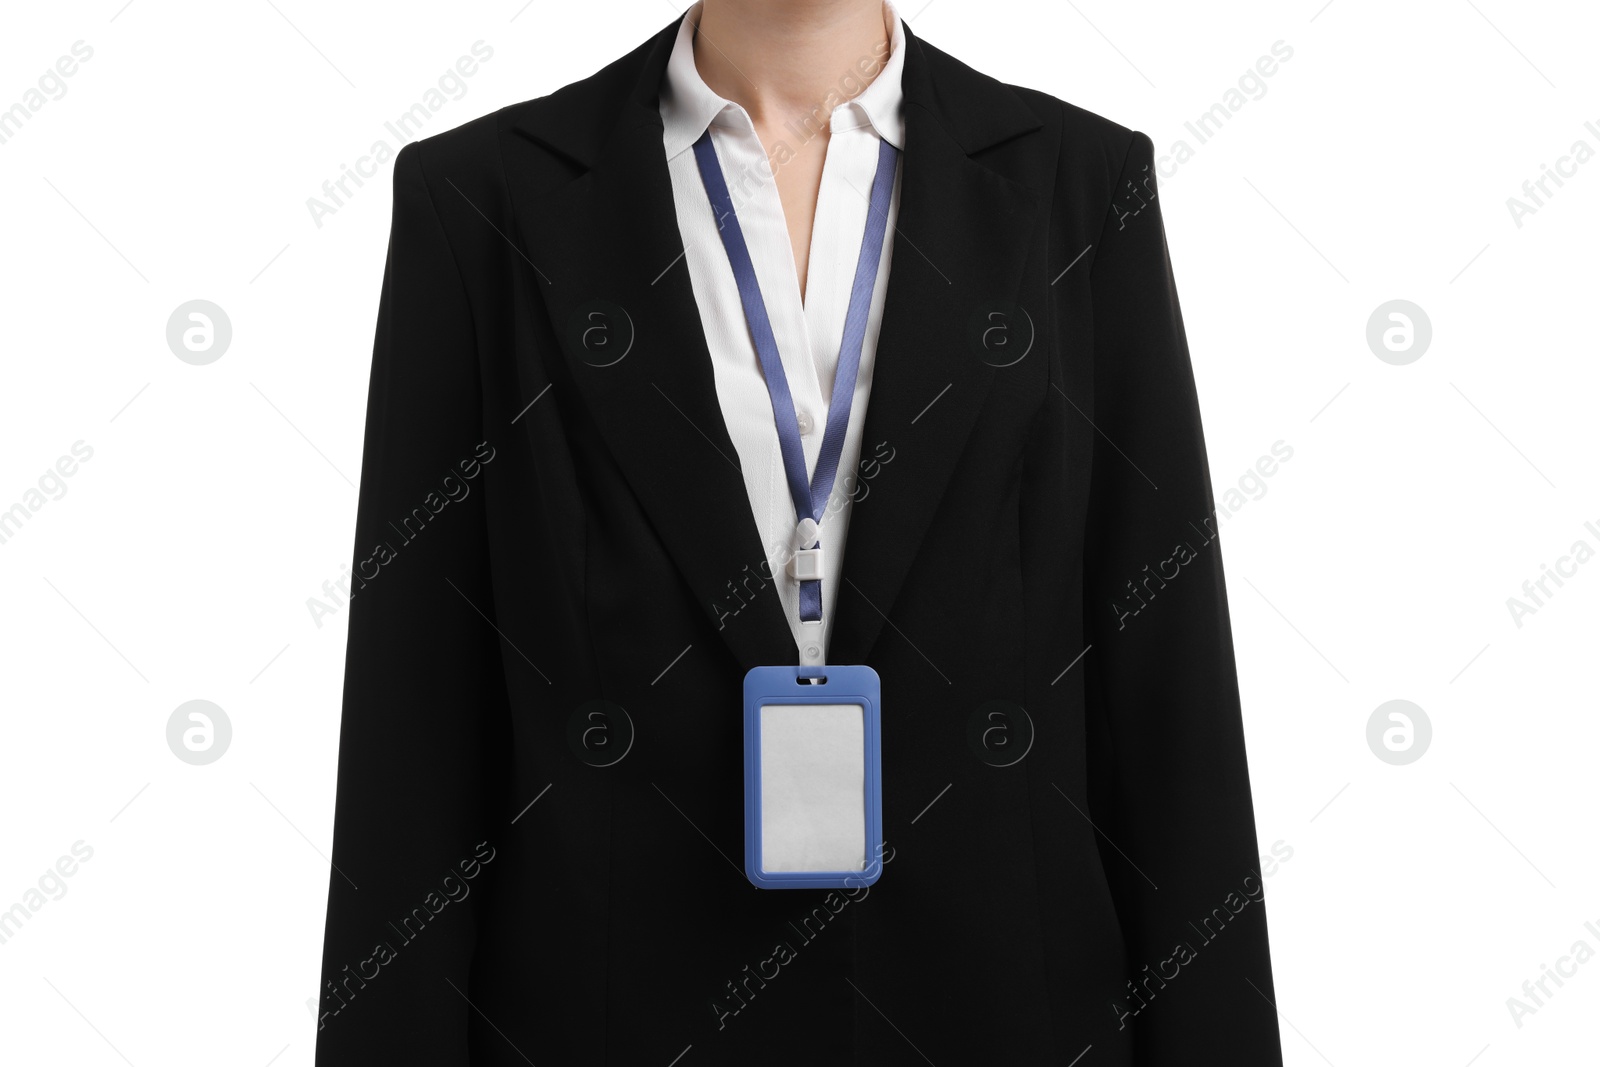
[813, 788]
[808, 333]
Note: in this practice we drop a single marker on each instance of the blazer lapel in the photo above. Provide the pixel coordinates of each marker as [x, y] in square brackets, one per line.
[962, 238]
[619, 296]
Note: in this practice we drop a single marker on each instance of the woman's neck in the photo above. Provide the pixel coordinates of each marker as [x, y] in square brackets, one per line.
[781, 59]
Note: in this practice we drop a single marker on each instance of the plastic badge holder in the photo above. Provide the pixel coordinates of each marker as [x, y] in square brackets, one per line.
[829, 690]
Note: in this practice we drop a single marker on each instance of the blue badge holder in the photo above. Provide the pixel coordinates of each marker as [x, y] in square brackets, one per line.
[800, 686]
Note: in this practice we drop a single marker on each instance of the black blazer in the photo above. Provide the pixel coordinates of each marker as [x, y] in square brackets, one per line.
[559, 585]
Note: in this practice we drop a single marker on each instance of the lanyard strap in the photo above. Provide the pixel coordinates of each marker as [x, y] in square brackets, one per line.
[810, 500]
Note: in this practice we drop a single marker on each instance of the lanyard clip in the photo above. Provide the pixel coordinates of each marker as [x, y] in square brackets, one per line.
[811, 644]
[806, 564]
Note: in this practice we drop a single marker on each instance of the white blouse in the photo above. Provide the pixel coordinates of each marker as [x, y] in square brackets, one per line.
[808, 332]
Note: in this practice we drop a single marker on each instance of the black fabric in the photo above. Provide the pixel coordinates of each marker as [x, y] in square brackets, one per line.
[544, 526]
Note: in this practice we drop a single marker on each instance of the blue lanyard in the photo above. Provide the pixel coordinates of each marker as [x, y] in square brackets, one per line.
[810, 500]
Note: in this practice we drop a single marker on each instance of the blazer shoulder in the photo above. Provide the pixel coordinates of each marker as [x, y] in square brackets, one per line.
[465, 157]
[1089, 150]
[574, 121]
[1094, 144]
[563, 120]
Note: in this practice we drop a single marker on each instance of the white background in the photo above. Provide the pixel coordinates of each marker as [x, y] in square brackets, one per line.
[1376, 566]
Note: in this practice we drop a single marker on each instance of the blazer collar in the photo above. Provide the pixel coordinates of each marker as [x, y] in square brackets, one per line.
[610, 252]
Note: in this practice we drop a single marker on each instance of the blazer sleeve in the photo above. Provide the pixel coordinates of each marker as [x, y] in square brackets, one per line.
[1169, 788]
[425, 709]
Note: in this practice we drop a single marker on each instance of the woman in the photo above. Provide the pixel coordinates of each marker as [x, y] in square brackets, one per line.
[788, 262]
